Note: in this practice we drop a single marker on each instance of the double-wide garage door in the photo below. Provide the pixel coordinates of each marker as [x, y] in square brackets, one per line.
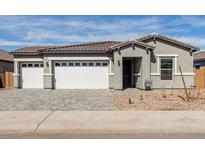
[68, 75]
[32, 75]
[81, 75]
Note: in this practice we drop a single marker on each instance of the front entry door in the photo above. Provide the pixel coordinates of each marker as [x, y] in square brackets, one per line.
[126, 74]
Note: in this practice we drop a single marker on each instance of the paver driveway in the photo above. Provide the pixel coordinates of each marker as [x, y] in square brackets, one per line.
[62, 100]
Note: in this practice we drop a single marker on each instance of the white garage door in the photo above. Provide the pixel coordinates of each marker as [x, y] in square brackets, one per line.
[81, 75]
[32, 75]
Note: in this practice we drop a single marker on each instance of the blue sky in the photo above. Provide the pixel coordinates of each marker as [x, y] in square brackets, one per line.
[20, 31]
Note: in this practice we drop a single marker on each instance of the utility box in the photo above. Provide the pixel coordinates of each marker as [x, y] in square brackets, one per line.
[148, 84]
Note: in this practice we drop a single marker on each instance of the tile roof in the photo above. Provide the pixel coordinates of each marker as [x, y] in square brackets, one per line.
[154, 35]
[32, 50]
[97, 47]
[199, 56]
[6, 56]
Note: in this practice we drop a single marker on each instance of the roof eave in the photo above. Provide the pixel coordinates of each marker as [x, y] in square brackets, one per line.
[24, 54]
[192, 48]
[132, 43]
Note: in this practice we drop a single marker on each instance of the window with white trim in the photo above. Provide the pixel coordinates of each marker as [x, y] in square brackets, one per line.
[30, 65]
[98, 64]
[70, 64]
[166, 68]
[91, 64]
[84, 64]
[64, 64]
[57, 64]
[24, 65]
[77, 64]
[104, 64]
[36, 65]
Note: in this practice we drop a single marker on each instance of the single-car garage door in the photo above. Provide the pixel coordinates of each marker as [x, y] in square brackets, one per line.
[81, 75]
[32, 75]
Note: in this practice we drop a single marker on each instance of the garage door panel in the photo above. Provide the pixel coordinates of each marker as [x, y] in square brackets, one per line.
[81, 77]
[32, 77]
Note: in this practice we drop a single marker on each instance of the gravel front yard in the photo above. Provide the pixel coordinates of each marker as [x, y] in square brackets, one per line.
[61, 100]
[97, 100]
[133, 99]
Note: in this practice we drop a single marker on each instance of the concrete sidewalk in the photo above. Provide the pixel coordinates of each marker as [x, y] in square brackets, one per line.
[102, 124]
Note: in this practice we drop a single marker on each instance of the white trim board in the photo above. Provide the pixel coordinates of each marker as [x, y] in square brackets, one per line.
[137, 74]
[167, 55]
[155, 74]
[28, 59]
[48, 74]
[78, 58]
[186, 74]
[176, 74]
[16, 74]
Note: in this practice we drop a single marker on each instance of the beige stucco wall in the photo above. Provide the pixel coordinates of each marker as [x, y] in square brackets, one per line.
[131, 52]
[49, 80]
[184, 59]
[143, 69]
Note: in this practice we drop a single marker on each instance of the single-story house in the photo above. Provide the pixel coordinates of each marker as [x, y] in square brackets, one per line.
[6, 65]
[111, 64]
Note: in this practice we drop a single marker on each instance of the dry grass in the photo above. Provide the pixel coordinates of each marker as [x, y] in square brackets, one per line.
[133, 99]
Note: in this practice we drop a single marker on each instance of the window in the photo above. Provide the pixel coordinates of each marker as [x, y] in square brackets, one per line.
[36, 65]
[98, 64]
[84, 64]
[30, 65]
[104, 64]
[41, 65]
[64, 64]
[71, 64]
[24, 65]
[91, 64]
[57, 64]
[166, 68]
[77, 64]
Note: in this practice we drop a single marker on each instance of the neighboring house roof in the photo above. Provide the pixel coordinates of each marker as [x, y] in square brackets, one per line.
[5, 56]
[32, 50]
[199, 56]
[155, 36]
[97, 47]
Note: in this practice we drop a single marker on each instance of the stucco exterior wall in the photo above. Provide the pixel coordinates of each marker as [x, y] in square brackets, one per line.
[49, 82]
[131, 52]
[146, 65]
[184, 59]
[18, 60]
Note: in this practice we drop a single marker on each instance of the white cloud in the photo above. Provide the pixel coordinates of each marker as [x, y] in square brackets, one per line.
[194, 21]
[17, 43]
[125, 24]
[91, 30]
[90, 37]
[35, 30]
[197, 41]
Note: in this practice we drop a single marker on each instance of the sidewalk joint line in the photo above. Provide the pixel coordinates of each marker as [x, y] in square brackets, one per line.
[44, 119]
